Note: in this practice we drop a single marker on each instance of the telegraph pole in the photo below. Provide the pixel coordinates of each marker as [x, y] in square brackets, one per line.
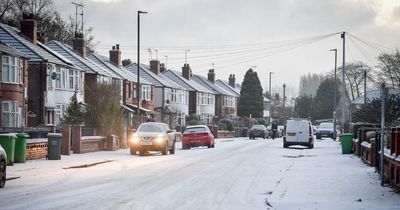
[283, 103]
[334, 97]
[138, 65]
[343, 80]
[382, 143]
[365, 86]
[270, 93]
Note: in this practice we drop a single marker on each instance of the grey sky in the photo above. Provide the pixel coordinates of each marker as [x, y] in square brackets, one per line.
[174, 25]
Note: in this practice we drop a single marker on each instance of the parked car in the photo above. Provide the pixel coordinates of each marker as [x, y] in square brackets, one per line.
[258, 131]
[197, 135]
[298, 132]
[3, 167]
[326, 129]
[153, 136]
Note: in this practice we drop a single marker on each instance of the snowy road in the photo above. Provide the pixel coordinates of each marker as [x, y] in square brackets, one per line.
[237, 174]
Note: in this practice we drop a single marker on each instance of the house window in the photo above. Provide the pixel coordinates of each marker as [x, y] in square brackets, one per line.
[61, 78]
[228, 101]
[206, 118]
[71, 77]
[12, 69]
[50, 70]
[59, 112]
[146, 92]
[134, 90]
[10, 114]
[173, 95]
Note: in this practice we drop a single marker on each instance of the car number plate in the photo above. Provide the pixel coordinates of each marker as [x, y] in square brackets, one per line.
[291, 134]
[146, 143]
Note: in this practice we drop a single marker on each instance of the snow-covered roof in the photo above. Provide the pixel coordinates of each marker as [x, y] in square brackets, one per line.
[34, 52]
[189, 84]
[11, 51]
[87, 65]
[156, 80]
[211, 86]
[227, 87]
[373, 94]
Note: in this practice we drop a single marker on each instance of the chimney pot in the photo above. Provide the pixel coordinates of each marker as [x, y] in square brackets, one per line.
[29, 27]
[115, 56]
[155, 66]
[232, 80]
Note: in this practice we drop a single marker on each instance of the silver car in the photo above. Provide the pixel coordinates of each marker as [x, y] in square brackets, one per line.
[153, 136]
[3, 167]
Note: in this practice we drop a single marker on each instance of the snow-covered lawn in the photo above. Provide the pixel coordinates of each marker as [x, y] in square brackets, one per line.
[237, 174]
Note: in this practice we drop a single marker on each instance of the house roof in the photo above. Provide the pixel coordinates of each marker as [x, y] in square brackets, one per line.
[34, 52]
[227, 87]
[189, 84]
[87, 65]
[211, 86]
[122, 72]
[11, 51]
[373, 94]
[157, 80]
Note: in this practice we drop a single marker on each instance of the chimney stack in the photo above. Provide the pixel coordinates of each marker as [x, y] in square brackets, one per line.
[162, 67]
[211, 75]
[187, 71]
[29, 27]
[79, 44]
[155, 66]
[115, 56]
[232, 80]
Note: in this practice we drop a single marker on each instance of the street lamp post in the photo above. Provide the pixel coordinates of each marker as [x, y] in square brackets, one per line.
[138, 64]
[334, 97]
[270, 93]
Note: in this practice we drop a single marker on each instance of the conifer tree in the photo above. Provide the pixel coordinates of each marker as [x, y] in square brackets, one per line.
[251, 98]
[74, 113]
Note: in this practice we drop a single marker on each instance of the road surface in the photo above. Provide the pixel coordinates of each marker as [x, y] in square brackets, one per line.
[237, 174]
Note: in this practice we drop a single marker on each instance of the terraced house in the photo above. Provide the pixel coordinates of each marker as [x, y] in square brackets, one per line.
[225, 100]
[52, 78]
[170, 98]
[201, 99]
[14, 79]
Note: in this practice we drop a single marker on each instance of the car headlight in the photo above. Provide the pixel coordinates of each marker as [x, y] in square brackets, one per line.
[135, 139]
[160, 140]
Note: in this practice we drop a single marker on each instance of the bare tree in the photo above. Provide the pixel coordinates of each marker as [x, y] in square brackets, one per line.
[389, 66]
[5, 8]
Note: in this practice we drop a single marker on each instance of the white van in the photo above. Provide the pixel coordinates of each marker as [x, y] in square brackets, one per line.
[298, 132]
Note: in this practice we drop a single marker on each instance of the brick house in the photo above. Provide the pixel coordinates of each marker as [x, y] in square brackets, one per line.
[14, 79]
[201, 99]
[169, 96]
[234, 90]
[225, 101]
[129, 90]
[52, 80]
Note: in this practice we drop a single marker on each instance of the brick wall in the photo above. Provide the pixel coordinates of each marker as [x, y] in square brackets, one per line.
[92, 143]
[36, 149]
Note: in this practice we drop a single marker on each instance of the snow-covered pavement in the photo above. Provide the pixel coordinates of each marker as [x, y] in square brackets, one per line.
[237, 174]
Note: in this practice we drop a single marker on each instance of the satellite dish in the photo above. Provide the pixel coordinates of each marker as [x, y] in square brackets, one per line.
[54, 76]
[167, 101]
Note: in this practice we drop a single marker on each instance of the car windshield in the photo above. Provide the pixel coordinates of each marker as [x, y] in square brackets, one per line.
[257, 127]
[150, 128]
[195, 130]
[326, 125]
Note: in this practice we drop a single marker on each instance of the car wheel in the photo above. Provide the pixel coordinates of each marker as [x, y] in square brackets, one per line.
[2, 174]
[209, 145]
[172, 150]
[310, 146]
[132, 150]
[184, 147]
[318, 137]
[164, 151]
[285, 145]
[142, 152]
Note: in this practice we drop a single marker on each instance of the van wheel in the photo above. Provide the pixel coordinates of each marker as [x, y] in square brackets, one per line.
[285, 145]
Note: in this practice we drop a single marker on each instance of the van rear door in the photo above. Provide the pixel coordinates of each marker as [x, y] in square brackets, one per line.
[291, 131]
[303, 131]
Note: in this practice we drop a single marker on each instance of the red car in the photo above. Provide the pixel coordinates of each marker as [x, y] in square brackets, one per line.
[197, 135]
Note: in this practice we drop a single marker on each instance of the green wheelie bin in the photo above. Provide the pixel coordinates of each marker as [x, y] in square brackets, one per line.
[346, 141]
[7, 141]
[20, 148]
